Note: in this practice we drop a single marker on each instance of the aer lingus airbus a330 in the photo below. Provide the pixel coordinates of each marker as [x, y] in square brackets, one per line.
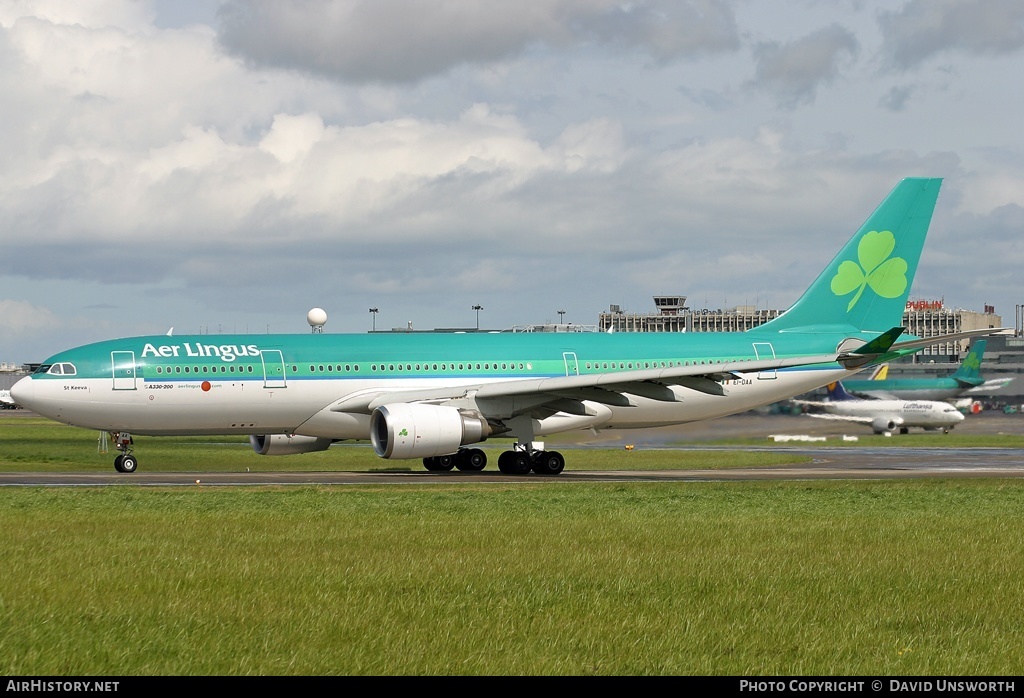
[435, 396]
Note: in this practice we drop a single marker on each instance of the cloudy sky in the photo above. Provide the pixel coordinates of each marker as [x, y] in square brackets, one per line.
[221, 166]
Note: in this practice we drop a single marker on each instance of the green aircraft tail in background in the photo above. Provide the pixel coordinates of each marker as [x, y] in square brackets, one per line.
[969, 373]
[966, 381]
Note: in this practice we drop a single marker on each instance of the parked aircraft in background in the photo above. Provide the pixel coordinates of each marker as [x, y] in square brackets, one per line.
[885, 416]
[434, 396]
[6, 401]
[965, 381]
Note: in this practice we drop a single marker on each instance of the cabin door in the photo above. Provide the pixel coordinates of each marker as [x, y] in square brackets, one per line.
[765, 350]
[572, 367]
[122, 365]
[273, 368]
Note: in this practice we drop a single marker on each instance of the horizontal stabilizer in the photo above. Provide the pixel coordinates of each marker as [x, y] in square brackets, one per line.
[865, 354]
[858, 358]
[910, 346]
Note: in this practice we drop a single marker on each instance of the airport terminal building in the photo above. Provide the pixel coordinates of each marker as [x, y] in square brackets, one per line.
[923, 318]
[1004, 354]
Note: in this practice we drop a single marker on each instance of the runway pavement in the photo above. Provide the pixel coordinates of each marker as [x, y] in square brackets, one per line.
[867, 458]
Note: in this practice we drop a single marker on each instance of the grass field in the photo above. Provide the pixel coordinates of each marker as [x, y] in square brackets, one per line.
[745, 578]
[911, 578]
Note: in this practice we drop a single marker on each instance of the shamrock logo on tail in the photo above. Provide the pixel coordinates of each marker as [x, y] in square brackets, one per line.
[886, 277]
[404, 432]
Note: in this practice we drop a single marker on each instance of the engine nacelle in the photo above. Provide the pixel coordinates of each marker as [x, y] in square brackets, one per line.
[287, 444]
[881, 425]
[413, 430]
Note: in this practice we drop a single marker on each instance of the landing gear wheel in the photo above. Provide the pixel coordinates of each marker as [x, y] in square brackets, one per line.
[471, 460]
[548, 463]
[129, 464]
[514, 463]
[438, 464]
[503, 462]
[126, 463]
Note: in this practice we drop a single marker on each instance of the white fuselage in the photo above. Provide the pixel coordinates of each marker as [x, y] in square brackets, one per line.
[926, 414]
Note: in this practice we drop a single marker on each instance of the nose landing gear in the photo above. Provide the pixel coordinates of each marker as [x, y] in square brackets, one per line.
[125, 461]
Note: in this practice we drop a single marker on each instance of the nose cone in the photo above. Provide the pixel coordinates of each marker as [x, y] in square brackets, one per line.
[23, 392]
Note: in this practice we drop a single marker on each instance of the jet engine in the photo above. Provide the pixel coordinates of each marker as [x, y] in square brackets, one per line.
[287, 444]
[414, 430]
[883, 425]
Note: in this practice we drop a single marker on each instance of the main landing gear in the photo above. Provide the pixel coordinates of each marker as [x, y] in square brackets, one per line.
[125, 461]
[467, 460]
[519, 461]
[522, 461]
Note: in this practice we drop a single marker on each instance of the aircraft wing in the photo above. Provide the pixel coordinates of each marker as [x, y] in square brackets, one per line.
[614, 388]
[860, 419]
[608, 388]
[875, 394]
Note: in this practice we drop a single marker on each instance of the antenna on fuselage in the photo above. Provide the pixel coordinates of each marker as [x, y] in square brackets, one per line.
[317, 318]
[170, 331]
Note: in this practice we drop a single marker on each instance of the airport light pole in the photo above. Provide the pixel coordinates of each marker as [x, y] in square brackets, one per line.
[478, 308]
[373, 314]
[561, 316]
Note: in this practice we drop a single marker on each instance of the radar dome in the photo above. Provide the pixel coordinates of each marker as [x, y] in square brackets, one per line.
[317, 317]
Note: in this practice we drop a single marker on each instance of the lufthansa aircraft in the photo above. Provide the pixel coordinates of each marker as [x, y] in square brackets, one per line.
[434, 396]
[888, 415]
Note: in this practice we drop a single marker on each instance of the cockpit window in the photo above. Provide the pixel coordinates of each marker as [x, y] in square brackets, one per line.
[44, 368]
[69, 369]
[62, 369]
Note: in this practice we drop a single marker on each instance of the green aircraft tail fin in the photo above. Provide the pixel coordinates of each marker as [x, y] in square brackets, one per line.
[969, 372]
[867, 284]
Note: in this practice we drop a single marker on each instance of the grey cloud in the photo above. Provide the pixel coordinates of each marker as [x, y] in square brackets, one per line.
[408, 40]
[896, 98]
[667, 29]
[924, 28]
[792, 72]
